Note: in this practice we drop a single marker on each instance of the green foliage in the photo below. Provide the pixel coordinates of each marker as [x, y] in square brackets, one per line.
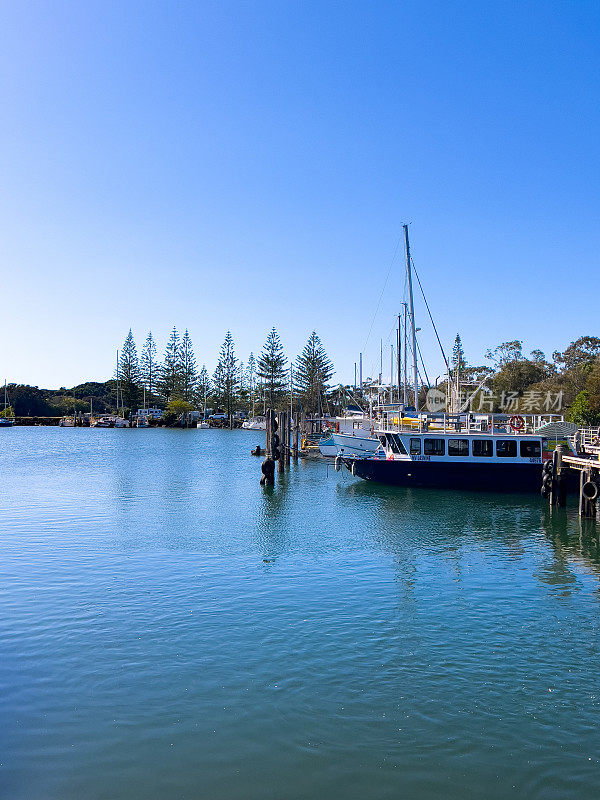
[312, 374]
[458, 355]
[581, 412]
[272, 368]
[128, 374]
[203, 387]
[175, 410]
[149, 365]
[226, 377]
[7, 413]
[170, 380]
[189, 371]
[506, 352]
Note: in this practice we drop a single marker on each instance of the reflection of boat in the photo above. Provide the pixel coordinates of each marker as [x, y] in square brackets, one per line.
[255, 424]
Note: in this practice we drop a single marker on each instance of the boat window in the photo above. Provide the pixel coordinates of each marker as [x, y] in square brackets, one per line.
[483, 447]
[415, 447]
[434, 447]
[530, 449]
[506, 448]
[396, 444]
[458, 447]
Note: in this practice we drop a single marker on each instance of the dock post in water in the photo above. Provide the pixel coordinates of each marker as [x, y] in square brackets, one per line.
[296, 434]
[588, 494]
[268, 465]
[558, 492]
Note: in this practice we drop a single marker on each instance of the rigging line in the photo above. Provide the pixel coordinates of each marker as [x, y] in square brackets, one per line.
[430, 317]
[423, 363]
[382, 291]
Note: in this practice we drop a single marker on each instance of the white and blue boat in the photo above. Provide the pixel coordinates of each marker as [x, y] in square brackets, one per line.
[504, 458]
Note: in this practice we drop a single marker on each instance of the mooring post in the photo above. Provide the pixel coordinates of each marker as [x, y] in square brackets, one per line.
[268, 465]
[282, 429]
[296, 432]
[288, 437]
[558, 492]
[588, 493]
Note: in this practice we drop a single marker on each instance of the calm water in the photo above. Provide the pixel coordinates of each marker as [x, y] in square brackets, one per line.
[169, 629]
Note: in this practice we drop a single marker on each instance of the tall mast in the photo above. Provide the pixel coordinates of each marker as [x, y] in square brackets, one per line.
[399, 358]
[413, 332]
[404, 389]
[391, 373]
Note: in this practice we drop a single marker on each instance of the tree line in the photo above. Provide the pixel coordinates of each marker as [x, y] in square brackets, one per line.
[269, 379]
[572, 374]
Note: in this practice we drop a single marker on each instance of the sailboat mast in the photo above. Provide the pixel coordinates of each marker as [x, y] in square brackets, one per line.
[404, 389]
[412, 319]
[399, 358]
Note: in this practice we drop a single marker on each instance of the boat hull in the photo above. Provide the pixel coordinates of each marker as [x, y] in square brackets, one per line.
[442, 475]
[348, 445]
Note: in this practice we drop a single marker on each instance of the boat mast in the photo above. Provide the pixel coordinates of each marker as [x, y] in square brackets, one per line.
[412, 319]
[399, 358]
[404, 389]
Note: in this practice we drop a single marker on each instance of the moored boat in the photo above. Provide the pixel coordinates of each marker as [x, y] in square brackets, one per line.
[255, 424]
[466, 459]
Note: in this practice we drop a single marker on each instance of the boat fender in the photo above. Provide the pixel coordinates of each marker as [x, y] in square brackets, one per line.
[352, 469]
[275, 440]
[590, 490]
[336, 464]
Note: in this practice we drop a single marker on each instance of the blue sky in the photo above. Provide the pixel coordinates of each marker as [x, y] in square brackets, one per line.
[239, 165]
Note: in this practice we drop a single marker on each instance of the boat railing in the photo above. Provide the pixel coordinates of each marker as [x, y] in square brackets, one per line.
[488, 425]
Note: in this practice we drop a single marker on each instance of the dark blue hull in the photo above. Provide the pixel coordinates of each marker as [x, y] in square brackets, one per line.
[450, 475]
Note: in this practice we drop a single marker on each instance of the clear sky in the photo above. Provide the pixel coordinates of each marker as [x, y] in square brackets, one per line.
[239, 165]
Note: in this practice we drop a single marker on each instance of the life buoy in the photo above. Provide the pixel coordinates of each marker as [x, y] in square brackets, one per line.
[516, 422]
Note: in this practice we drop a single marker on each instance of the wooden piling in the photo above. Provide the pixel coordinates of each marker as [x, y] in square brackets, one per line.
[558, 492]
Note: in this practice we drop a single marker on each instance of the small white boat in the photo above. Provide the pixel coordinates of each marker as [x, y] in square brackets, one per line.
[203, 425]
[255, 424]
[350, 435]
[348, 444]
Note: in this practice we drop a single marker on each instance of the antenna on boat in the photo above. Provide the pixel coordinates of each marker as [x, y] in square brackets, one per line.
[412, 318]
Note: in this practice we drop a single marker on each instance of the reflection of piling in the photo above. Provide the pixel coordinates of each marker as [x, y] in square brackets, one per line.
[296, 435]
[554, 481]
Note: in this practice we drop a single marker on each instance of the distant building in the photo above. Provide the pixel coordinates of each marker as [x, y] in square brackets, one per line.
[149, 413]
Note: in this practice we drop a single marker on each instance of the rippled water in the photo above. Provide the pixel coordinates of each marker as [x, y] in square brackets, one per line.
[170, 629]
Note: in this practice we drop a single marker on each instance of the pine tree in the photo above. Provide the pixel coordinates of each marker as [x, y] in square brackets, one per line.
[203, 387]
[458, 355]
[170, 383]
[225, 378]
[272, 368]
[128, 373]
[251, 378]
[312, 374]
[149, 366]
[189, 372]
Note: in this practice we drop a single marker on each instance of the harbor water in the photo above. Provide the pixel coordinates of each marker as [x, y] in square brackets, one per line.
[171, 629]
